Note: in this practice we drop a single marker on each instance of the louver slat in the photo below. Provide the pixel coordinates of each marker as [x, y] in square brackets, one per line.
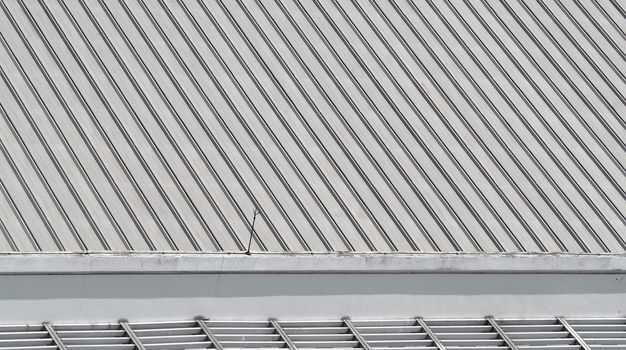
[386, 334]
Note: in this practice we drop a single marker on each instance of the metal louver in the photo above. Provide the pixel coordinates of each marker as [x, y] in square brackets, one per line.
[93, 337]
[400, 334]
[601, 333]
[395, 334]
[250, 334]
[475, 334]
[25, 337]
[333, 334]
[171, 335]
[539, 334]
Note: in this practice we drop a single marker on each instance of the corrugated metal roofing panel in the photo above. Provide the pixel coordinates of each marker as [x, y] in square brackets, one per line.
[397, 125]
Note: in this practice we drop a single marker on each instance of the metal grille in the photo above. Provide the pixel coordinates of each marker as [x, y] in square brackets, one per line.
[96, 337]
[475, 334]
[392, 334]
[539, 334]
[233, 334]
[171, 335]
[33, 337]
[395, 334]
[601, 333]
[320, 334]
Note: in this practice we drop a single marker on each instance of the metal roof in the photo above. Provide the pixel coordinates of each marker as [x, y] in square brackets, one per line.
[418, 333]
[396, 125]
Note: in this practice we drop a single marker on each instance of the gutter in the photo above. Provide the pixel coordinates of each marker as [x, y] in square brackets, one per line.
[307, 263]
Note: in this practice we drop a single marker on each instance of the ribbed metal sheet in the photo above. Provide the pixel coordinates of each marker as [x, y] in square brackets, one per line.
[395, 125]
[400, 334]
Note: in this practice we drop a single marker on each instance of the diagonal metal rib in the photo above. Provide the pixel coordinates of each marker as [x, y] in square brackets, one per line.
[574, 334]
[356, 334]
[283, 334]
[210, 334]
[502, 333]
[54, 336]
[132, 335]
[430, 333]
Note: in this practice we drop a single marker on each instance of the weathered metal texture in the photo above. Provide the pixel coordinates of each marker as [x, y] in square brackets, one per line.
[374, 334]
[395, 125]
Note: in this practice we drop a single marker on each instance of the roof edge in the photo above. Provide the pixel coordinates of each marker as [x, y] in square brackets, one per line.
[349, 263]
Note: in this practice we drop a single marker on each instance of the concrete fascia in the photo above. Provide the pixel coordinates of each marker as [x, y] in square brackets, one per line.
[324, 263]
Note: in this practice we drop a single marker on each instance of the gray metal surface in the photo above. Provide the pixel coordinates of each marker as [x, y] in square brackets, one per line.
[476, 334]
[395, 125]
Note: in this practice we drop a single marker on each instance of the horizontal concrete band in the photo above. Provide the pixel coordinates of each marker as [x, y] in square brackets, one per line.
[177, 263]
[92, 288]
[94, 298]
